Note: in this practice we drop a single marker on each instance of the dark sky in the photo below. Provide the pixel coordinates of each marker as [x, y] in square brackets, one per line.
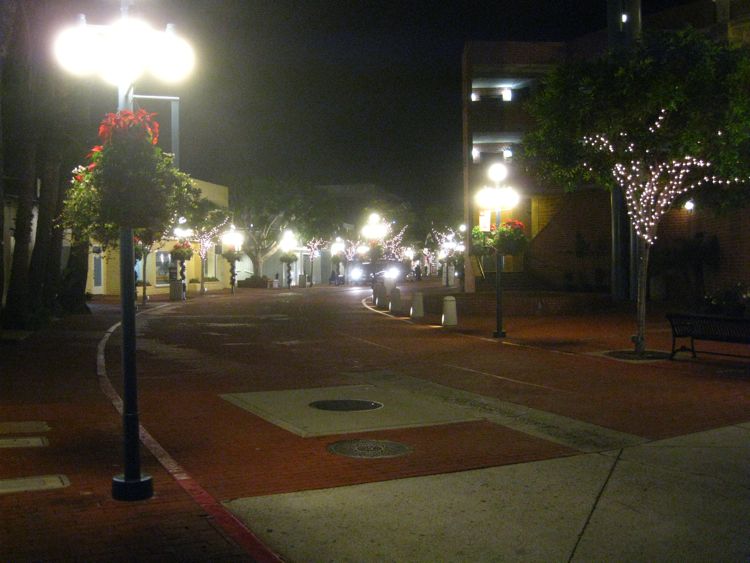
[341, 91]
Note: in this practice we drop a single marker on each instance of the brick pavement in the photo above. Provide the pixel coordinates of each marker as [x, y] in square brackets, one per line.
[232, 453]
[51, 377]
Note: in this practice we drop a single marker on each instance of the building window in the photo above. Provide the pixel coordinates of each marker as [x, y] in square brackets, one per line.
[211, 264]
[163, 260]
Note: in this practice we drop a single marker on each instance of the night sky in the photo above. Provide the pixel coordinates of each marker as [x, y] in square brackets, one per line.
[340, 91]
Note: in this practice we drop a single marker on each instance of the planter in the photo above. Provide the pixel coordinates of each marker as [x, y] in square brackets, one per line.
[194, 288]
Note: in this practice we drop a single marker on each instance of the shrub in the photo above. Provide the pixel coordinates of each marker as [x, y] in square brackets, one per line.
[254, 281]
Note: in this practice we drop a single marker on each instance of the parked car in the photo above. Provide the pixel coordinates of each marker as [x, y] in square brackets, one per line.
[367, 273]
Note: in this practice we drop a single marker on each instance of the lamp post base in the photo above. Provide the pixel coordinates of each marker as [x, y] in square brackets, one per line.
[497, 334]
[132, 489]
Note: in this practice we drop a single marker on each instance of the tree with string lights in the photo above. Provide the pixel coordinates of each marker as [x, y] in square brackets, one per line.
[207, 222]
[659, 121]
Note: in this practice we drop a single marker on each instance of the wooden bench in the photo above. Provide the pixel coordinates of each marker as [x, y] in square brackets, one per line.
[707, 327]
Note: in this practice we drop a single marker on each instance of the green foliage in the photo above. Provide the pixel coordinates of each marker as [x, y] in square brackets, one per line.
[254, 281]
[128, 181]
[700, 84]
[232, 256]
[509, 238]
[288, 257]
[731, 301]
[263, 208]
[181, 251]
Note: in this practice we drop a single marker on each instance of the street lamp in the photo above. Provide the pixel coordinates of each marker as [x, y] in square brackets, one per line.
[233, 239]
[497, 199]
[119, 54]
[375, 228]
[338, 246]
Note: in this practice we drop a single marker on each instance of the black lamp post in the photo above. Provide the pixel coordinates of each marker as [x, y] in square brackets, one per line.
[75, 55]
[497, 199]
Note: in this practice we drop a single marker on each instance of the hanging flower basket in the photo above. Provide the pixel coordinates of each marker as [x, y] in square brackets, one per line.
[127, 170]
[288, 257]
[232, 256]
[509, 238]
[181, 252]
[139, 249]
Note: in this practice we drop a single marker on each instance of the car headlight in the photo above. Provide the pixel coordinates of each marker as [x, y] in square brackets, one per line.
[392, 273]
[356, 274]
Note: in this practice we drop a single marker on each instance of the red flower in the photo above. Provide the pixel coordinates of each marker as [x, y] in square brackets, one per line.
[126, 120]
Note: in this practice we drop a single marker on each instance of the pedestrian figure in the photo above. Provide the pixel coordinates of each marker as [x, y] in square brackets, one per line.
[417, 273]
[333, 278]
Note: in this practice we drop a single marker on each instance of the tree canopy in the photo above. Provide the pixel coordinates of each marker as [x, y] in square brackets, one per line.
[262, 207]
[674, 95]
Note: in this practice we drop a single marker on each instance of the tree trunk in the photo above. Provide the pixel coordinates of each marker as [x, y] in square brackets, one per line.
[8, 24]
[203, 270]
[2, 194]
[257, 263]
[17, 308]
[641, 298]
[73, 294]
[53, 274]
[17, 313]
[40, 256]
[145, 278]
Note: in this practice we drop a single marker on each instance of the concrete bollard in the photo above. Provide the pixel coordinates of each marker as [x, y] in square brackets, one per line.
[417, 306]
[381, 298]
[389, 285]
[450, 318]
[395, 305]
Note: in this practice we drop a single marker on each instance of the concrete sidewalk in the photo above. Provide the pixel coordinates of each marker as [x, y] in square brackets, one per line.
[515, 472]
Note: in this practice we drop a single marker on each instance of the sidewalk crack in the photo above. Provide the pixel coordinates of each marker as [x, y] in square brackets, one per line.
[594, 506]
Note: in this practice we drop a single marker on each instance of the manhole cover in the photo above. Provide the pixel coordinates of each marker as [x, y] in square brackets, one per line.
[345, 405]
[369, 449]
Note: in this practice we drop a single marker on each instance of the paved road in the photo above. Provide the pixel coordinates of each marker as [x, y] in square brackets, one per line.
[483, 450]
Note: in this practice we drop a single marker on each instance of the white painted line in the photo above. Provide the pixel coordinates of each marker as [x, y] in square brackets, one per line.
[24, 427]
[478, 372]
[29, 442]
[38, 483]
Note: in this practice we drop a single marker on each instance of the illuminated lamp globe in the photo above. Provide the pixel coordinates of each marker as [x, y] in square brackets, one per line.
[233, 239]
[288, 241]
[125, 48]
[172, 58]
[78, 49]
[497, 172]
[338, 246]
[497, 198]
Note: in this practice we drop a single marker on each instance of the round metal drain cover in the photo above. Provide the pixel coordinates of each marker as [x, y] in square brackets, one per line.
[346, 405]
[369, 449]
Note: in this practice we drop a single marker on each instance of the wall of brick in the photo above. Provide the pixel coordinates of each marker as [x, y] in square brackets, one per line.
[733, 235]
[571, 250]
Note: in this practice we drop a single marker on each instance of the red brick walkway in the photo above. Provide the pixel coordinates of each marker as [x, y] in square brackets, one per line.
[195, 352]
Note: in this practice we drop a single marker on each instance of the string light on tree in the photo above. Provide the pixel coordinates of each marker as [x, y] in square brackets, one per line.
[652, 189]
